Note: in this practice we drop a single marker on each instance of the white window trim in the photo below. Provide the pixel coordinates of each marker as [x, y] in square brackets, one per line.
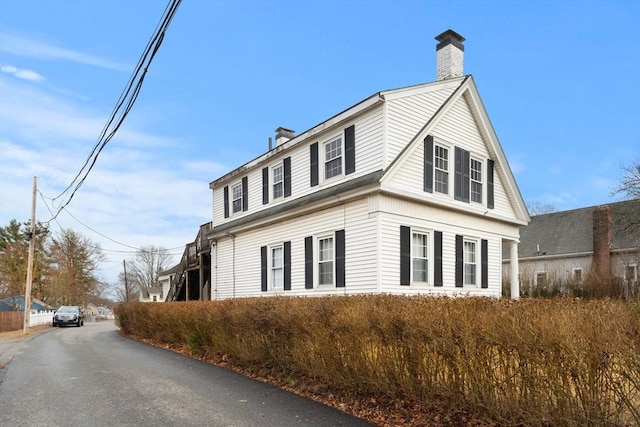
[535, 276]
[270, 281]
[316, 260]
[482, 181]
[322, 158]
[273, 181]
[447, 146]
[477, 255]
[430, 258]
[573, 274]
[232, 207]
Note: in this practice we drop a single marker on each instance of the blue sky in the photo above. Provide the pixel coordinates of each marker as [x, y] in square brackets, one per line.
[559, 79]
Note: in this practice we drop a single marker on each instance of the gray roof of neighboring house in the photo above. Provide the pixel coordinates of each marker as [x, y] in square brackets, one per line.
[169, 271]
[571, 232]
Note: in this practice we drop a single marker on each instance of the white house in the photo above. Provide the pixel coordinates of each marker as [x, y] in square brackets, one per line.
[560, 250]
[408, 191]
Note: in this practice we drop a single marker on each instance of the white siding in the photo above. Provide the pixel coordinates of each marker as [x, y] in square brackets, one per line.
[456, 128]
[368, 147]
[396, 212]
[360, 253]
[408, 114]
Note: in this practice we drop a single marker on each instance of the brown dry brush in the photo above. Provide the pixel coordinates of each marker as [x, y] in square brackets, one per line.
[534, 362]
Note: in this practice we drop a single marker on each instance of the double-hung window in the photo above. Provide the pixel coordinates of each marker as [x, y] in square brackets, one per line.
[277, 267]
[333, 158]
[475, 173]
[326, 259]
[470, 264]
[420, 257]
[236, 192]
[278, 181]
[441, 169]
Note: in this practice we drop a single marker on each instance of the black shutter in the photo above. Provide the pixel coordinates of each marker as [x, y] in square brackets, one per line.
[287, 176]
[490, 200]
[350, 150]
[314, 164]
[287, 266]
[437, 255]
[245, 194]
[461, 175]
[265, 186]
[466, 175]
[428, 164]
[405, 255]
[459, 261]
[226, 201]
[308, 262]
[340, 271]
[263, 268]
[484, 259]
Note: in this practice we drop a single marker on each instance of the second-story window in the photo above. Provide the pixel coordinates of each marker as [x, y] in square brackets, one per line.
[333, 158]
[476, 180]
[278, 181]
[441, 174]
[236, 192]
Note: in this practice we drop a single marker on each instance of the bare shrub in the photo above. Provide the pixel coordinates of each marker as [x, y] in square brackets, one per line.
[561, 361]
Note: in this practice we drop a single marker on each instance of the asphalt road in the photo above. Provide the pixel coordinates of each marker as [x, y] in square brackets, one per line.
[92, 376]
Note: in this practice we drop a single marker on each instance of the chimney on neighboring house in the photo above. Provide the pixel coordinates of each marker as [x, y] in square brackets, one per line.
[602, 240]
[449, 55]
[283, 135]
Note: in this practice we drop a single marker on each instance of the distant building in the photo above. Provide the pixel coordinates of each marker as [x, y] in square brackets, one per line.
[566, 248]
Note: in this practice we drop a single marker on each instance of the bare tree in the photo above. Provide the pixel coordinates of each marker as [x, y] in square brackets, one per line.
[630, 182]
[538, 208]
[75, 261]
[143, 270]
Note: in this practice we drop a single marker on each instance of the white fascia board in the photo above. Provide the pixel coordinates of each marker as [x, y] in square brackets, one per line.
[449, 204]
[421, 88]
[486, 127]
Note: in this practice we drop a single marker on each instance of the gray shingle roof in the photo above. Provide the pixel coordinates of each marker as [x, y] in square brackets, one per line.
[571, 232]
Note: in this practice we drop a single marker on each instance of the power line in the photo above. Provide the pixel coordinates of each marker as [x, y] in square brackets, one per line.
[127, 98]
[135, 249]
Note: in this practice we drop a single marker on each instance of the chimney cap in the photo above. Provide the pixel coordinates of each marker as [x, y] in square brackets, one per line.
[284, 131]
[450, 37]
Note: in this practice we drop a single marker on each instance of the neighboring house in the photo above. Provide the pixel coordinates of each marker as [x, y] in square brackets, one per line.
[17, 304]
[151, 294]
[165, 278]
[566, 248]
[408, 191]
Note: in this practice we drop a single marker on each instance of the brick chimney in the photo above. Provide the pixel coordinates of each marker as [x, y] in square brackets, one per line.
[602, 239]
[449, 55]
[283, 135]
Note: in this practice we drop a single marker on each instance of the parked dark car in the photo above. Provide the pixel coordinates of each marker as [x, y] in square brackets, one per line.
[68, 315]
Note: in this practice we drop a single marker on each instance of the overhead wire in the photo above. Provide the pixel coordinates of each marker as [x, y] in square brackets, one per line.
[129, 95]
[134, 248]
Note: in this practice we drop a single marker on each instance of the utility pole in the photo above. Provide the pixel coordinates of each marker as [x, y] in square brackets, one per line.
[32, 244]
[126, 284]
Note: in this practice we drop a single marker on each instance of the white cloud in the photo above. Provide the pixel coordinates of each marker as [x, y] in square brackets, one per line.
[22, 73]
[26, 47]
[140, 192]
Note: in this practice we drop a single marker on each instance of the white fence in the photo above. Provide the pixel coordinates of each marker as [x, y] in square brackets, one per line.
[40, 318]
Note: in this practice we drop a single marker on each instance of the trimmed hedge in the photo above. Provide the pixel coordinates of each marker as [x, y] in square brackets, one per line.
[538, 362]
